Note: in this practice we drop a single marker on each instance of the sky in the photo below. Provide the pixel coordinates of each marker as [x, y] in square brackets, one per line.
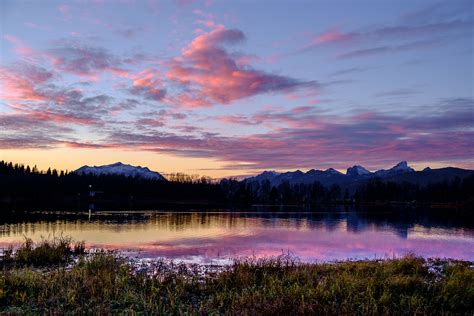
[228, 88]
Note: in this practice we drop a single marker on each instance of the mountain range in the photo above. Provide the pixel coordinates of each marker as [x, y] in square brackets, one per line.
[354, 175]
[358, 174]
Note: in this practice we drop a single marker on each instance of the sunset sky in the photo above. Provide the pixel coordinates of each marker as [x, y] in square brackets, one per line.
[224, 88]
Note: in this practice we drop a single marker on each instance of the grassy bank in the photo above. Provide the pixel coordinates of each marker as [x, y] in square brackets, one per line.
[56, 277]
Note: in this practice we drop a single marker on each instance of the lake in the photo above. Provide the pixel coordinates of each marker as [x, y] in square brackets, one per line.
[217, 236]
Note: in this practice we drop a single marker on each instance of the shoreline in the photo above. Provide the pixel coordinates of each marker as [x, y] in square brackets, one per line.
[105, 282]
[126, 205]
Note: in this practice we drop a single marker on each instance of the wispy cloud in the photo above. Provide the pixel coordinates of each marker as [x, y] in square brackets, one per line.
[20, 47]
[318, 140]
[84, 60]
[422, 29]
[31, 90]
[390, 48]
[198, 88]
[22, 82]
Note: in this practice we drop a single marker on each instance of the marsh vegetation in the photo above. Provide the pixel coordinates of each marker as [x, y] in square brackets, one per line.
[59, 276]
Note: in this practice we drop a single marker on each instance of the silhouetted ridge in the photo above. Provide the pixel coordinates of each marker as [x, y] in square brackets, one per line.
[355, 175]
[119, 168]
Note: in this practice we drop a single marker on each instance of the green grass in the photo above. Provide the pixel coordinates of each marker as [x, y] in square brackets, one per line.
[105, 282]
[47, 253]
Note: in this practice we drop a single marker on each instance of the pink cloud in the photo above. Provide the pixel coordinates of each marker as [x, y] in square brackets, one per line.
[21, 83]
[32, 92]
[151, 120]
[207, 22]
[331, 36]
[305, 138]
[205, 73]
[69, 106]
[211, 75]
[72, 144]
[146, 78]
[393, 38]
[119, 72]
[148, 84]
[236, 119]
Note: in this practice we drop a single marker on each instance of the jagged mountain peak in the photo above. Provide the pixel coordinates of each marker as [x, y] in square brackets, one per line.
[357, 170]
[270, 172]
[401, 165]
[331, 176]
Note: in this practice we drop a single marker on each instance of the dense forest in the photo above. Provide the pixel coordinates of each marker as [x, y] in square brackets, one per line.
[23, 185]
[457, 191]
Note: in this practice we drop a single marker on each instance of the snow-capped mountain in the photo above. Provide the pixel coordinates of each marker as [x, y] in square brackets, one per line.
[330, 176]
[267, 175]
[356, 171]
[401, 167]
[121, 169]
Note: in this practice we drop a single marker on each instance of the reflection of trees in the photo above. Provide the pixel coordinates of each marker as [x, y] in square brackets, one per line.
[395, 220]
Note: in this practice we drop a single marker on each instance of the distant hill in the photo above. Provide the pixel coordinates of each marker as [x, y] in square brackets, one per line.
[119, 168]
[357, 175]
[428, 175]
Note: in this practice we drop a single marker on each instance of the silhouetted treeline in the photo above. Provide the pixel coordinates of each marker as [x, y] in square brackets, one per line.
[454, 191]
[285, 193]
[22, 183]
[457, 191]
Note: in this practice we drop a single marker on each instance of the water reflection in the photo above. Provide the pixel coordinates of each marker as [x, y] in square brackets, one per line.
[207, 237]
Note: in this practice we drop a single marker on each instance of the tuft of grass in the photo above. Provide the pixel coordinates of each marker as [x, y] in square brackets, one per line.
[48, 252]
[103, 282]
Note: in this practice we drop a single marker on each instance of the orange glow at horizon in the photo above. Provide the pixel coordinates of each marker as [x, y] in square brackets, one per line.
[68, 158]
[72, 158]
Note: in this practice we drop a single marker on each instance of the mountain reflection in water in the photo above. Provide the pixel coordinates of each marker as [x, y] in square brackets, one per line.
[216, 237]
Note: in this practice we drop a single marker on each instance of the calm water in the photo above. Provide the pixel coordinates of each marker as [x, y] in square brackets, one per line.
[215, 237]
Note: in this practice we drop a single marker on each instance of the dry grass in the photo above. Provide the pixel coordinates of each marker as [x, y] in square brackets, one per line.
[105, 283]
